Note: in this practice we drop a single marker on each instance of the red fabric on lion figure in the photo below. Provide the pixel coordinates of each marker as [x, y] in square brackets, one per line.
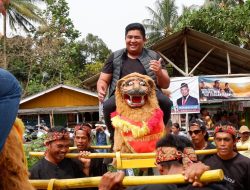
[138, 119]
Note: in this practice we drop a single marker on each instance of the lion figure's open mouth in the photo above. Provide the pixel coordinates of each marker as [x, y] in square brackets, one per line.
[135, 100]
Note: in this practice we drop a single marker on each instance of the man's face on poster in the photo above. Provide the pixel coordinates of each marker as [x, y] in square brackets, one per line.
[184, 91]
[217, 84]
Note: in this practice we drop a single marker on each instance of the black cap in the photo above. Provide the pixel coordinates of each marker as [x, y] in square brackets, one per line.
[198, 122]
[184, 85]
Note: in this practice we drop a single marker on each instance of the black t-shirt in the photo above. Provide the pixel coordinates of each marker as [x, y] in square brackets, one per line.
[203, 157]
[66, 169]
[128, 65]
[97, 167]
[214, 186]
[236, 171]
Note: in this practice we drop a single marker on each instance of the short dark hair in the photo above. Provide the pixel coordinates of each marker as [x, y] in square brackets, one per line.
[202, 125]
[184, 85]
[176, 125]
[135, 26]
[198, 122]
[202, 110]
[177, 141]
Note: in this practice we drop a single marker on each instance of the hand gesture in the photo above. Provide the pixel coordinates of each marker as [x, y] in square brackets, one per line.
[156, 66]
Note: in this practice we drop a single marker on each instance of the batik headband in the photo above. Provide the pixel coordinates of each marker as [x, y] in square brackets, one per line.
[164, 154]
[225, 128]
[84, 128]
[53, 136]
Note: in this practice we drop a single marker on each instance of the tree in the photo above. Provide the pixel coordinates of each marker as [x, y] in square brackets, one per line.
[222, 3]
[94, 49]
[20, 13]
[52, 55]
[164, 18]
[232, 22]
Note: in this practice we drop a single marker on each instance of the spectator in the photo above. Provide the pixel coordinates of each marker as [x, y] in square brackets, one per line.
[199, 136]
[244, 140]
[209, 123]
[203, 113]
[236, 167]
[92, 167]
[176, 129]
[101, 134]
[134, 58]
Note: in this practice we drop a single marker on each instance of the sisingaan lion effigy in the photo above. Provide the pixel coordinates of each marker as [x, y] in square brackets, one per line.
[14, 173]
[138, 119]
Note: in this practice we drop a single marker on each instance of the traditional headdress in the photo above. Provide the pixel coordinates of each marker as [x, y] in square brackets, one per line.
[164, 154]
[55, 135]
[84, 127]
[225, 128]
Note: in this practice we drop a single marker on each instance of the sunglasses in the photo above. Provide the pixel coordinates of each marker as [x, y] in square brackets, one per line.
[195, 132]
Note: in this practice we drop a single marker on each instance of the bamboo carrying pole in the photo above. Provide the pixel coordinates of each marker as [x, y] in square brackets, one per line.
[94, 147]
[208, 176]
[131, 155]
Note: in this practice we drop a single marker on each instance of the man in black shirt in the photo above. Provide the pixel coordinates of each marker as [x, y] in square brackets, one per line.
[54, 164]
[134, 58]
[199, 135]
[235, 166]
[91, 167]
[174, 154]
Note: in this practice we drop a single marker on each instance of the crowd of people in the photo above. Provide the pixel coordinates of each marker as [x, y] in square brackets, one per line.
[175, 152]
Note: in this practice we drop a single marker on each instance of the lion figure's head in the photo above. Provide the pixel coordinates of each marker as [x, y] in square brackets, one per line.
[135, 89]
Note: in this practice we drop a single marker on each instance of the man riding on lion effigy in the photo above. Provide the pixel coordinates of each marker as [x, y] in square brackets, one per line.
[133, 58]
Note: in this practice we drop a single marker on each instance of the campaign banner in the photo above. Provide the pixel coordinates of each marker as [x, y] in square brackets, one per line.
[184, 93]
[222, 88]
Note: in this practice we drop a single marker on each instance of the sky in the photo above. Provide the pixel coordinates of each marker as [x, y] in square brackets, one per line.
[107, 19]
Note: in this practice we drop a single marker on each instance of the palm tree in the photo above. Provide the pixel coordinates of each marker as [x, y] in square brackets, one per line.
[163, 20]
[19, 13]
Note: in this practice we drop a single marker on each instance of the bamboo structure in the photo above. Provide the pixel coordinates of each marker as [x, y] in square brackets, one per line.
[208, 176]
[131, 155]
[94, 147]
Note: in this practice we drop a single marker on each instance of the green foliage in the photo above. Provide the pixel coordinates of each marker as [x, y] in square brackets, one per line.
[23, 13]
[58, 22]
[163, 20]
[92, 69]
[228, 22]
[33, 146]
[94, 49]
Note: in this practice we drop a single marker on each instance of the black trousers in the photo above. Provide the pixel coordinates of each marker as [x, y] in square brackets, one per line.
[109, 106]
